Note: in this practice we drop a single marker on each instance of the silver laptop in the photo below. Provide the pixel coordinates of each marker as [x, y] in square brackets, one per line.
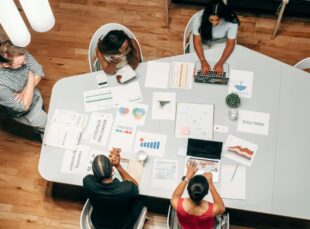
[207, 155]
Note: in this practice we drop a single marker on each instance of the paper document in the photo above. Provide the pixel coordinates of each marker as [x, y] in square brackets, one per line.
[253, 122]
[132, 113]
[78, 161]
[233, 183]
[165, 176]
[194, 121]
[96, 100]
[130, 92]
[135, 169]
[126, 73]
[152, 144]
[98, 129]
[122, 136]
[240, 150]
[65, 129]
[164, 105]
[241, 82]
[173, 75]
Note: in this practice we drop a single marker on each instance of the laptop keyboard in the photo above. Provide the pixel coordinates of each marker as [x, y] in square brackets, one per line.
[210, 74]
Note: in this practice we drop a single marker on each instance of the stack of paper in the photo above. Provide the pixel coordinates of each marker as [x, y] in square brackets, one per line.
[65, 129]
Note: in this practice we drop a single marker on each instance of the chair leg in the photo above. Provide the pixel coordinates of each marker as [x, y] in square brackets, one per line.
[283, 5]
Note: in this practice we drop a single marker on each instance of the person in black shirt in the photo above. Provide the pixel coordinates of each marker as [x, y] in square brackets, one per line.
[116, 204]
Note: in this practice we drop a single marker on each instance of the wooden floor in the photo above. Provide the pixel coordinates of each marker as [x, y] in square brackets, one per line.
[26, 200]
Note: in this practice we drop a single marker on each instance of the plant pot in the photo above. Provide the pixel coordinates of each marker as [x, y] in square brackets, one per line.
[232, 114]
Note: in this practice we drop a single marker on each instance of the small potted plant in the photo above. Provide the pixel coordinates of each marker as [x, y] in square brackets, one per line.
[233, 101]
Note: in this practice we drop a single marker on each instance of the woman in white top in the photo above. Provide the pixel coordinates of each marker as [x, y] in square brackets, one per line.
[211, 26]
[115, 50]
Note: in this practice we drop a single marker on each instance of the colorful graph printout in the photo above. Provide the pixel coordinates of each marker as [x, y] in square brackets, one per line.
[132, 113]
[152, 144]
[122, 136]
[240, 150]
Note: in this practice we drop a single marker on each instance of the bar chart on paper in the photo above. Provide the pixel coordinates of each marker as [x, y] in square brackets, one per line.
[149, 144]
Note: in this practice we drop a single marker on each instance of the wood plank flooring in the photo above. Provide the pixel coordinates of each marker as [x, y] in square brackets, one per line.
[26, 200]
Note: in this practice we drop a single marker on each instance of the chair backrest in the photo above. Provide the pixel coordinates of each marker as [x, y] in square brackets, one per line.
[303, 64]
[188, 45]
[172, 219]
[102, 31]
[222, 221]
[85, 219]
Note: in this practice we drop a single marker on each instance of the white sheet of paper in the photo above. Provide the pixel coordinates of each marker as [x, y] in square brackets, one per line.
[126, 72]
[152, 144]
[253, 122]
[65, 129]
[241, 82]
[99, 128]
[165, 175]
[157, 74]
[130, 92]
[240, 150]
[122, 136]
[96, 100]
[78, 161]
[131, 113]
[194, 121]
[233, 188]
[181, 75]
[164, 105]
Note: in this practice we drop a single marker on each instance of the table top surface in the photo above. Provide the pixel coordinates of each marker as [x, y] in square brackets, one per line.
[275, 183]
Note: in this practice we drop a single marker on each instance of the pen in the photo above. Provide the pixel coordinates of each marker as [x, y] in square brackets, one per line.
[234, 172]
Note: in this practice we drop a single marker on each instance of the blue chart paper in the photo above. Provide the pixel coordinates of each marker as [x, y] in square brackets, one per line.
[152, 144]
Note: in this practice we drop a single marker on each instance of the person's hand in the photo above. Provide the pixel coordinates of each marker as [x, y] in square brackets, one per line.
[218, 68]
[118, 78]
[208, 176]
[191, 169]
[115, 157]
[19, 96]
[205, 67]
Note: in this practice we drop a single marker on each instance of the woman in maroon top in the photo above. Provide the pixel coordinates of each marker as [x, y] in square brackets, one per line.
[194, 212]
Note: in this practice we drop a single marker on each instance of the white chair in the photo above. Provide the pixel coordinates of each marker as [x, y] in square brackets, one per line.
[303, 64]
[221, 221]
[85, 220]
[188, 45]
[94, 64]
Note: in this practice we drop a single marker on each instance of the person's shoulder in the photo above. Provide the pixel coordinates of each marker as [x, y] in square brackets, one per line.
[129, 186]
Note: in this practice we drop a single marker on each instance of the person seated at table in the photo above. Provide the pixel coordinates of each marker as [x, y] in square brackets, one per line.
[212, 26]
[115, 50]
[194, 212]
[115, 203]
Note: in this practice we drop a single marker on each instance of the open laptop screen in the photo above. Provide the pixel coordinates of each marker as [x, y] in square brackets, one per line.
[204, 148]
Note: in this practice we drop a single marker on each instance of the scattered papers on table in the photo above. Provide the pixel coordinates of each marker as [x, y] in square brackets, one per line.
[233, 183]
[106, 98]
[165, 176]
[122, 136]
[194, 121]
[163, 105]
[241, 82]
[132, 113]
[130, 92]
[98, 129]
[253, 122]
[173, 75]
[78, 161]
[65, 129]
[240, 150]
[152, 144]
[96, 100]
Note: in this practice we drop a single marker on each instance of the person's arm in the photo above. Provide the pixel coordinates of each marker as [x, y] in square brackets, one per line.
[178, 192]
[107, 67]
[115, 159]
[26, 95]
[218, 207]
[35, 68]
[137, 57]
[230, 44]
[205, 67]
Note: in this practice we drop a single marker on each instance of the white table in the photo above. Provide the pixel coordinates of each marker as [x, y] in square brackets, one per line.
[277, 181]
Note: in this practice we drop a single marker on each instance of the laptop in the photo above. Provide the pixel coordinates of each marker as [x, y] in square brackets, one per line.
[211, 77]
[207, 155]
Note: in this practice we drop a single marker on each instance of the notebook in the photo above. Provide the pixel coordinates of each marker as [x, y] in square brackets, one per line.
[207, 155]
[211, 77]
